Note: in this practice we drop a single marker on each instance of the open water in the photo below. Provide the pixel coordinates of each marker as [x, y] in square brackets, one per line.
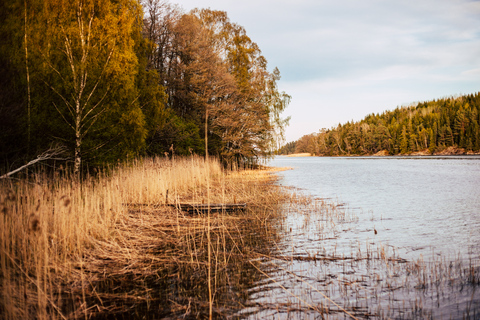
[418, 204]
[406, 244]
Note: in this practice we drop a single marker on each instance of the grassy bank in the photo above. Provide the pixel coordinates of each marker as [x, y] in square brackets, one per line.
[108, 246]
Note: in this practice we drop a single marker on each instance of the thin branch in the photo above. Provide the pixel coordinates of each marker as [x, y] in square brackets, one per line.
[101, 74]
[89, 31]
[70, 58]
[95, 106]
[70, 107]
[45, 59]
[50, 154]
[65, 119]
[94, 119]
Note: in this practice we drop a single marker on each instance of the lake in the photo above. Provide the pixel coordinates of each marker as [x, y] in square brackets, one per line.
[418, 204]
[385, 237]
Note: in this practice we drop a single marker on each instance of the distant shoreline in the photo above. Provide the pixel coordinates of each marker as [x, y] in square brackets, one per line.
[297, 155]
[450, 151]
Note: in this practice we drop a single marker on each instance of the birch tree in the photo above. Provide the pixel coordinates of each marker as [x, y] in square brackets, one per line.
[88, 56]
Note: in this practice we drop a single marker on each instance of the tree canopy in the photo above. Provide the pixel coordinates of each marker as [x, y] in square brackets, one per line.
[215, 74]
[112, 79]
[426, 127]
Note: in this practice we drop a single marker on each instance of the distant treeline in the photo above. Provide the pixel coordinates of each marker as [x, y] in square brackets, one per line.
[108, 80]
[428, 127]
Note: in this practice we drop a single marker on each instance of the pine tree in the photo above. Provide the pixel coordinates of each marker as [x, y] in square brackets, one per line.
[432, 143]
[404, 141]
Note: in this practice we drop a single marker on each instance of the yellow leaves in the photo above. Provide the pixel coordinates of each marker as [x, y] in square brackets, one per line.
[90, 64]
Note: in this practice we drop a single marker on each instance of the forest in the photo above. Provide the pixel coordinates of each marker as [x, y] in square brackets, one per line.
[95, 82]
[448, 125]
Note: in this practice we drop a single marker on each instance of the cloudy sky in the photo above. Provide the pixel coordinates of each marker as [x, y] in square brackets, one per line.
[343, 59]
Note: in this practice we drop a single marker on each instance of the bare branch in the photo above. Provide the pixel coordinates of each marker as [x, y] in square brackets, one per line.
[65, 119]
[45, 59]
[71, 60]
[101, 74]
[54, 153]
[67, 103]
[93, 120]
[69, 106]
[84, 118]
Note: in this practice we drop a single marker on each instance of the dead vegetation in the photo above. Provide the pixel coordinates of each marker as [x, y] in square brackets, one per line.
[109, 245]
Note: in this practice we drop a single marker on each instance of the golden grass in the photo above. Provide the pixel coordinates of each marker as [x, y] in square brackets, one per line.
[66, 245]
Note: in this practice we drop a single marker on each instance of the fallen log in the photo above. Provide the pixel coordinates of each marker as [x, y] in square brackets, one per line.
[214, 207]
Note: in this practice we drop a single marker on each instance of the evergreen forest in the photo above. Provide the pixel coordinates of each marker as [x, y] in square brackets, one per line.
[449, 125]
[95, 82]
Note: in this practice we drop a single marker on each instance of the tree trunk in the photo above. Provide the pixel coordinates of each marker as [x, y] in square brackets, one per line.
[206, 134]
[28, 85]
[78, 157]
[78, 140]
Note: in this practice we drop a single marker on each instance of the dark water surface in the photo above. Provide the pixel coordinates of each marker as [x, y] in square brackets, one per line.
[386, 238]
[421, 204]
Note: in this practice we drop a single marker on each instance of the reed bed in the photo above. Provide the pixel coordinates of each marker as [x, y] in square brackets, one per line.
[108, 246]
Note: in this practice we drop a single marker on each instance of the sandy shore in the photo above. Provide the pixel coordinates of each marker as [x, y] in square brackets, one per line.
[299, 155]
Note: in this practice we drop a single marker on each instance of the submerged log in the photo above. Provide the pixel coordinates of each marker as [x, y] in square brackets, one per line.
[214, 207]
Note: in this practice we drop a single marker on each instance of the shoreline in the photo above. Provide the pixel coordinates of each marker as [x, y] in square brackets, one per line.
[299, 155]
[450, 151]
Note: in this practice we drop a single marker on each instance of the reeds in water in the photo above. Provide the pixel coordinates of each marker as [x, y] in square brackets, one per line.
[318, 273]
[108, 245]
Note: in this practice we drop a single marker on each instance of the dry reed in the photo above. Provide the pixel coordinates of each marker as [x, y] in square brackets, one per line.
[93, 248]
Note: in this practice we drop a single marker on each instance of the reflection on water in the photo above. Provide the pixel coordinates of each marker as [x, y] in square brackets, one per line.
[385, 238]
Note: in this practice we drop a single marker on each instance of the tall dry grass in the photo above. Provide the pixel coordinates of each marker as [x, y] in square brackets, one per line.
[77, 249]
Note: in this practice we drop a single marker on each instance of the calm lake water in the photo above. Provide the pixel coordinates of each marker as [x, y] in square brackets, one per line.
[386, 238]
[423, 205]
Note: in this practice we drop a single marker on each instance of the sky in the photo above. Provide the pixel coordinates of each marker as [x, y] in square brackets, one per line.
[341, 60]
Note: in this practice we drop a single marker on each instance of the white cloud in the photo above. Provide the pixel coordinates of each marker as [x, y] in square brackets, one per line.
[341, 60]
[472, 72]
